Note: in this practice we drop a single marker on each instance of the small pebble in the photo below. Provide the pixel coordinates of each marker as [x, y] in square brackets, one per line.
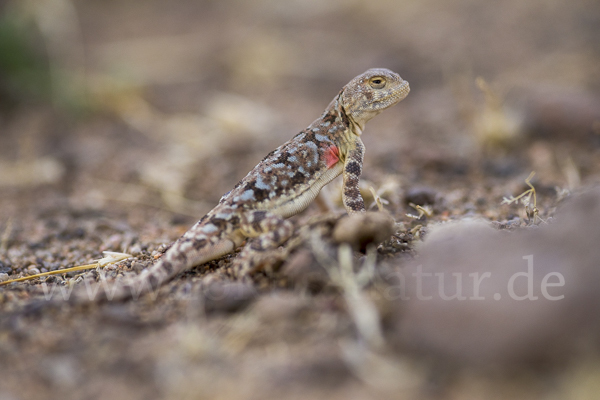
[4, 268]
[135, 249]
[137, 266]
[33, 270]
[362, 229]
[3, 277]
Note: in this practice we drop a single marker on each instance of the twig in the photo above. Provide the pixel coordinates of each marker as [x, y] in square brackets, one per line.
[377, 199]
[525, 199]
[110, 257]
[423, 210]
[362, 310]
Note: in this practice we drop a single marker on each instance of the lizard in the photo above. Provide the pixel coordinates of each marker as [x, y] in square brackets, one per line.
[283, 184]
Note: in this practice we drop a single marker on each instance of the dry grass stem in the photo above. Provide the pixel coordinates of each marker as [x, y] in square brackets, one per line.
[110, 257]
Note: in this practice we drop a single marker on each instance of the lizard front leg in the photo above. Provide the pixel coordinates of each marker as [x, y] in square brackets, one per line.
[353, 201]
[267, 231]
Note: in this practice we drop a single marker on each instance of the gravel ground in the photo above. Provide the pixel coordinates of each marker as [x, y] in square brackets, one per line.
[153, 109]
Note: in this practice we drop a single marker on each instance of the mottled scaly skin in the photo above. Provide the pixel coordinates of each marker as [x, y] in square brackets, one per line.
[282, 184]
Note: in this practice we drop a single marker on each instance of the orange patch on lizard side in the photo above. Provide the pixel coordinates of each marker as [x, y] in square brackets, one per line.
[332, 156]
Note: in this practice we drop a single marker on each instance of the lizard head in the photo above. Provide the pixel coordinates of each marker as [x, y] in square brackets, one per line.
[372, 92]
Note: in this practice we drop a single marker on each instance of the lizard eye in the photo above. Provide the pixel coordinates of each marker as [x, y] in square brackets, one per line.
[377, 82]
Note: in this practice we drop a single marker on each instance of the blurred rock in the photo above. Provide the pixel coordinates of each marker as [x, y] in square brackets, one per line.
[360, 230]
[303, 271]
[562, 113]
[227, 297]
[280, 307]
[420, 195]
[482, 297]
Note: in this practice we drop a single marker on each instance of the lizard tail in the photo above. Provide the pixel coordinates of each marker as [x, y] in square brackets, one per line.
[184, 254]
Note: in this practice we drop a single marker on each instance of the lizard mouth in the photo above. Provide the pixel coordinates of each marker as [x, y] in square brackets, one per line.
[404, 90]
[393, 97]
[401, 93]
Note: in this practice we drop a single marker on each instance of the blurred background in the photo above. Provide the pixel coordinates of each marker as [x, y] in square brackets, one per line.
[182, 98]
[123, 122]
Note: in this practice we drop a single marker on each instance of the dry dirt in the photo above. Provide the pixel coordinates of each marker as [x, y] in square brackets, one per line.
[122, 123]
